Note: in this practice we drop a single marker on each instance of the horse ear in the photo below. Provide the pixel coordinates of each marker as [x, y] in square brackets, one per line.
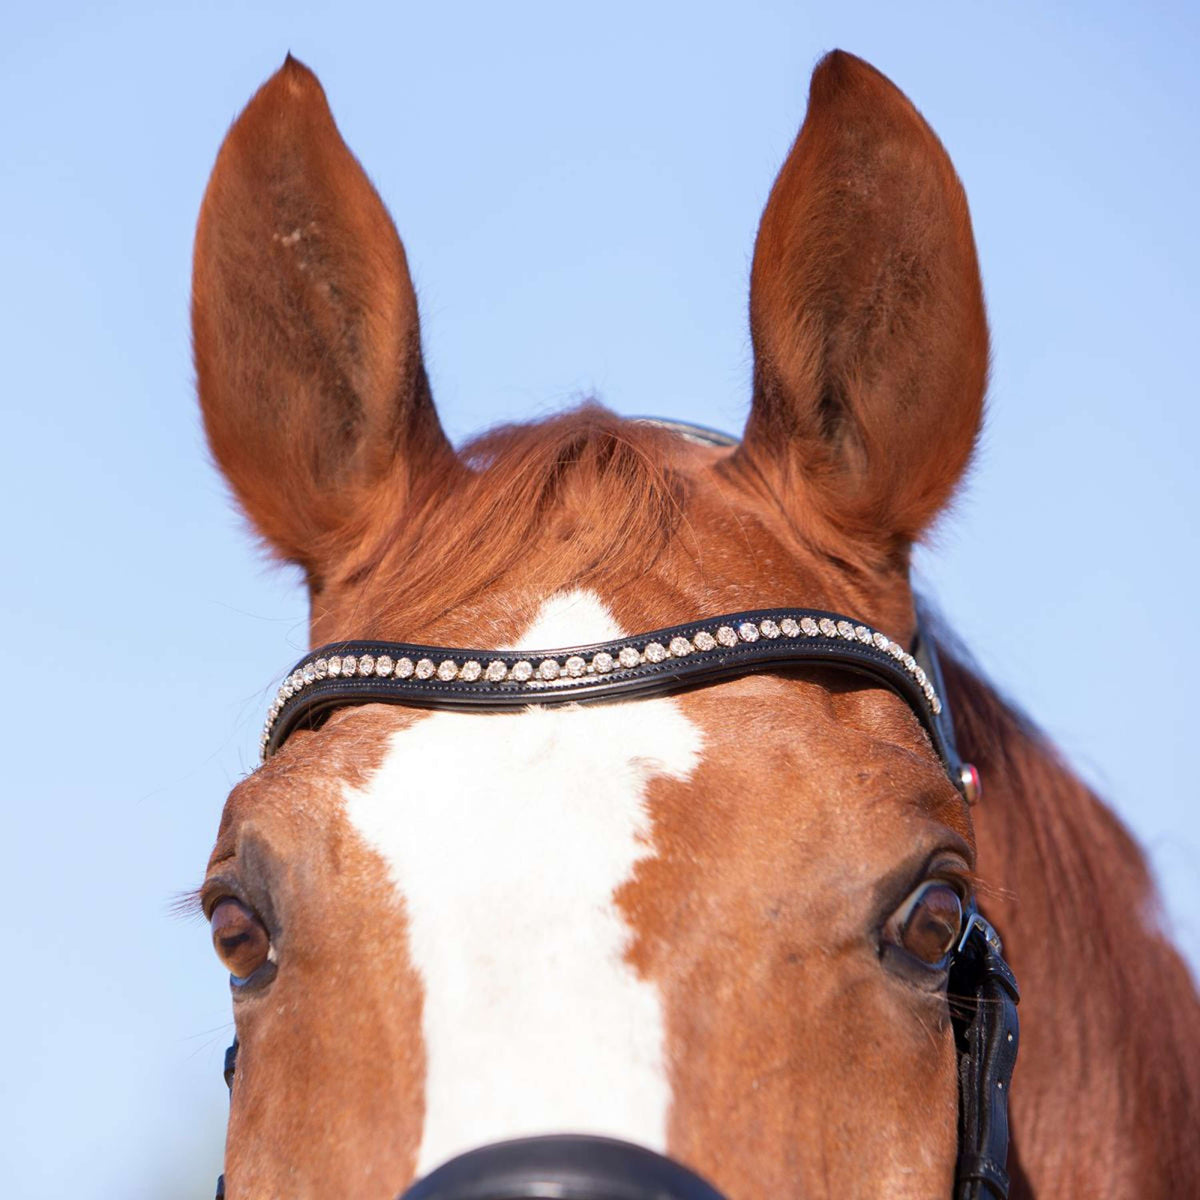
[305, 328]
[866, 314]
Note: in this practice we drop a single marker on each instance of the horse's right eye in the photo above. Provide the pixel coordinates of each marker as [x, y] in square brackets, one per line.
[239, 938]
[928, 923]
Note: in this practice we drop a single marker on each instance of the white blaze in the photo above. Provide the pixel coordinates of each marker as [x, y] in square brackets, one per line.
[507, 836]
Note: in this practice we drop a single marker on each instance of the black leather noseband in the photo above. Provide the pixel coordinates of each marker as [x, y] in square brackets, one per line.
[565, 1167]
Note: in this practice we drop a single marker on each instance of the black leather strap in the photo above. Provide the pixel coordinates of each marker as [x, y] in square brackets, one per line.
[984, 997]
[312, 688]
[230, 1070]
[231, 1063]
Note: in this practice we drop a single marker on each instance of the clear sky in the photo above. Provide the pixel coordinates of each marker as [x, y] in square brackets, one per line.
[578, 189]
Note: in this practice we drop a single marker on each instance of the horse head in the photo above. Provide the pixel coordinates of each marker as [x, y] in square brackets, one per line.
[714, 921]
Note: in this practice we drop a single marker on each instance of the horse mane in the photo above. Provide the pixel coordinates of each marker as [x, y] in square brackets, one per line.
[590, 482]
[1110, 1017]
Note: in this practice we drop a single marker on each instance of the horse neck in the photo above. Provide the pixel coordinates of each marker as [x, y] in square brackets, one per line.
[1109, 1070]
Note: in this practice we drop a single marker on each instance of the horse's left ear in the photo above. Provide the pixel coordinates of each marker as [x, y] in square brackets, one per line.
[867, 315]
[304, 319]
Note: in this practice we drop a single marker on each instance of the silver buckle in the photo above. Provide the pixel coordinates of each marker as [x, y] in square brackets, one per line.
[977, 921]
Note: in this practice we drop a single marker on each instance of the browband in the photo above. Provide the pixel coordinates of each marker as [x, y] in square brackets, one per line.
[664, 660]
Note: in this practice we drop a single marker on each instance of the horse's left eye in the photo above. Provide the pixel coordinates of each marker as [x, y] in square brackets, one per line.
[239, 938]
[927, 924]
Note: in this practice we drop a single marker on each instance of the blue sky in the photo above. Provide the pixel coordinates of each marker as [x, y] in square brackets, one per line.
[578, 190]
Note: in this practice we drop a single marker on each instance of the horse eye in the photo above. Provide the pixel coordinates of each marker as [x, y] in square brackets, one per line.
[927, 924]
[239, 938]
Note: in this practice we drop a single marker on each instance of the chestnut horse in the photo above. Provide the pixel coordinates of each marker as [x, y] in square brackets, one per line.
[685, 921]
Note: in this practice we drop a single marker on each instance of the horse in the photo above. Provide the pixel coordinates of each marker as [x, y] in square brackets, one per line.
[712, 921]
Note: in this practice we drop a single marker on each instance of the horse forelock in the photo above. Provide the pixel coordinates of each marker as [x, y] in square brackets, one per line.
[581, 499]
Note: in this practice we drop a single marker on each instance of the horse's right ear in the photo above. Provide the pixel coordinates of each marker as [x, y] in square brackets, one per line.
[304, 323]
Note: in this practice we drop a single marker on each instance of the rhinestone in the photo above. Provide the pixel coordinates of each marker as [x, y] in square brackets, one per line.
[349, 665]
[404, 668]
[288, 689]
[919, 676]
[827, 627]
[310, 673]
[496, 671]
[366, 665]
[575, 666]
[297, 680]
[549, 669]
[937, 706]
[809, 627]
[748, 631]
[522, 671]
[335, 666]
[471, 671]
[896, 651]
[447, 670]
[704, 640]
[880, 641]
[788, 627]
[602, 663]
[863, 634]
[727, 635]
[321, 666]
[425, 668]
[383, 665]
[680, 646]
[927, 688]
[910, 663]
[627, 656]
[768, 628]
[655, 652]
[846, 630]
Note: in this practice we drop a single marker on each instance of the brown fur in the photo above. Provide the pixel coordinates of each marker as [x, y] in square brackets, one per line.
[319, 1074]
[799, 1065]
[583, 497]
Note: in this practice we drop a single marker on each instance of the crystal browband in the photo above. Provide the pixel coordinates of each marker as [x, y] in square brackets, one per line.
[362, 672]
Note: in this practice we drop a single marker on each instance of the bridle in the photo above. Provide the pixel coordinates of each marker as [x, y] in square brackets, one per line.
[699, 653]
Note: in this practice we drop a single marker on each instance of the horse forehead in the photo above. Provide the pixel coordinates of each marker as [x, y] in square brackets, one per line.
[539, 768]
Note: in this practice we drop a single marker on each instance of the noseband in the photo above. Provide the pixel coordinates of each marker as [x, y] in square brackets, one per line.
[983, 990]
